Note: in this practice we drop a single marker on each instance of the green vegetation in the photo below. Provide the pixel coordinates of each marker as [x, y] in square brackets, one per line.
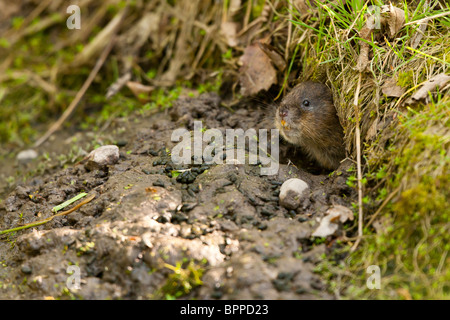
[186, 276]
[405, 163]
[405, 146]
[412, 247]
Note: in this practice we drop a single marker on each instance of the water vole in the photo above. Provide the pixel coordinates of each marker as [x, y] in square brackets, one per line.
[306, 117]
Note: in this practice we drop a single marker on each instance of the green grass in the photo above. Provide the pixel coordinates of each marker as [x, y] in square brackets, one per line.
[410, 154]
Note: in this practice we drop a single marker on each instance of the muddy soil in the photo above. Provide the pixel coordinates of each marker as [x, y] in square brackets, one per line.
[224, 221]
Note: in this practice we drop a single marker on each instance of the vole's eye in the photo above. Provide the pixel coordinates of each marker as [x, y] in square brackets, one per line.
[306, 103]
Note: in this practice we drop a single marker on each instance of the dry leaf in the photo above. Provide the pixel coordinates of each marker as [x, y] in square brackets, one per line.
[439, 80]
[273, 54]
[257, 72]
[304, 6]
[326, 228]
[117, 85]
[229, 31]
[235, 6]
[420, 32]
[328, 225]
[395, 19]
[140, 91]
[341, 212]
[372, 132]
[391, 89]
[363, 58]
[8, 9]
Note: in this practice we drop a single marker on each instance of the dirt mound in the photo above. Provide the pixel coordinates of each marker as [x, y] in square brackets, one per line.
[155, 230]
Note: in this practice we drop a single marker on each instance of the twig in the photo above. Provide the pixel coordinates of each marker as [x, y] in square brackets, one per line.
[288, 41]
[247, 13]
[41, 222]
[358, 164]
[84, 88]
[443, 14]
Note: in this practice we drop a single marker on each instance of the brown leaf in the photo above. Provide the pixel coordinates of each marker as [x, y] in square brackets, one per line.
[342, 212]
[257, 72]
[391, 89]
[229, 31]
[363, 58]
[439, 81]
[395, 19]
[417, 37]
[117, 85]
[372, 132]
[9, 9]
[235, 6]
[328, 225]
[420, 32]
[273, 54]
[140, 91]
[304, 6]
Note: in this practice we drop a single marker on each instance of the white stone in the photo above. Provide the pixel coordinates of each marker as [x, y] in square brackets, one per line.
[292, 192]
[103, 156]
[26, 155]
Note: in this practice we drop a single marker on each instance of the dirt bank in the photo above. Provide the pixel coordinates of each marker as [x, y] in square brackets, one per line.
[220, 227]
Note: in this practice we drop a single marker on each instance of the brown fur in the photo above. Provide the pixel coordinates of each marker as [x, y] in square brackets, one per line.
[316, 128]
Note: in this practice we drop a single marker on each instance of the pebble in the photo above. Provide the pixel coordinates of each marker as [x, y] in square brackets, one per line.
[159, 183]
[103, 156]
[293, 192]
[121, 143]
[188, 207]
[26, 269]
[26, 156]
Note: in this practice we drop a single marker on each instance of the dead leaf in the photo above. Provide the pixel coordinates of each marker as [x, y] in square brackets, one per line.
[140, 91]
[8, 9]
[341, 212]
[420, 32]
[257, 72]
[372, 132]
[117, 85]
[235, 6]
[229, 31]
[274, 55]
[395, 18]
[363, 58]
[391, 89]
[304, 6]
[328, 225]
[439, 81]
[326, 228]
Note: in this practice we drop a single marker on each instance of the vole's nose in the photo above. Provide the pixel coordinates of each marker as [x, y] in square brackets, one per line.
[283, 113]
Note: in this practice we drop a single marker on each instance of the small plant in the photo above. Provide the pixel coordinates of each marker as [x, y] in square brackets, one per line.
[186, 276]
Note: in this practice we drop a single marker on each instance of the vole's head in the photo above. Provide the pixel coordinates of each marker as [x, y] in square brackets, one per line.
[306, 113]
